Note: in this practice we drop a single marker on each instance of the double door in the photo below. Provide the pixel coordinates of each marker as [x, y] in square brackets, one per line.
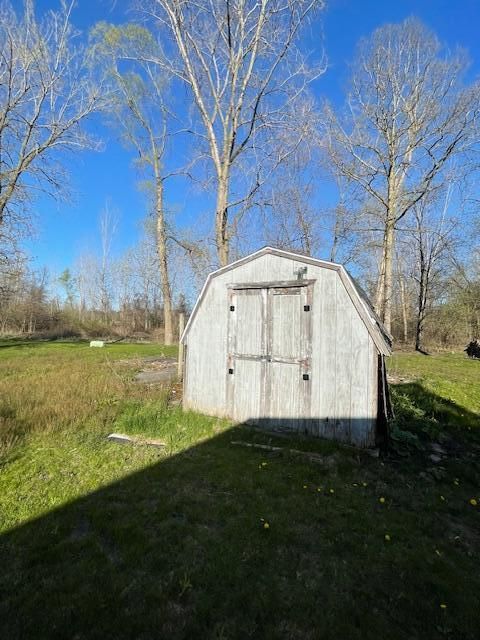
[269, 353]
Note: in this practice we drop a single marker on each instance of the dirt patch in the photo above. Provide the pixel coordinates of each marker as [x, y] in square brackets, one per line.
[154, 369]
[157, 371]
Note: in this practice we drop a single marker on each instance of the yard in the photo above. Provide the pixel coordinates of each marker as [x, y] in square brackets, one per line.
[205, 539]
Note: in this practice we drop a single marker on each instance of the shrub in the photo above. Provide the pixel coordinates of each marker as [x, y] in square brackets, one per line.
[473, 349]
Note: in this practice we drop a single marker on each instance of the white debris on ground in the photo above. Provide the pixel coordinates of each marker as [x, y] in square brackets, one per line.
[124, 439]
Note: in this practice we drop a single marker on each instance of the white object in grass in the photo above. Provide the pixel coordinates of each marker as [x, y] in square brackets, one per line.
[124, 439]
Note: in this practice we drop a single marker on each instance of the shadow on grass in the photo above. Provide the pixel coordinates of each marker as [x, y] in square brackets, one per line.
[214, 543]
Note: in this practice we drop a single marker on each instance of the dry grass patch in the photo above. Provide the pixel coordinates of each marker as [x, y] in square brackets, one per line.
[51, 387]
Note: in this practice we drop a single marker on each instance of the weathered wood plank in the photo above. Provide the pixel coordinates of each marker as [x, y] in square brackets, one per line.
[359, 399]
[272, 284]
[325, 345]
[247, 397]
[343, 363]
[122, 438]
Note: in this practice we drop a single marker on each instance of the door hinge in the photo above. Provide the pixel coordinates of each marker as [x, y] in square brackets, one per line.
[306, 307]
[306, 376]
[230, 371]
[232, 307]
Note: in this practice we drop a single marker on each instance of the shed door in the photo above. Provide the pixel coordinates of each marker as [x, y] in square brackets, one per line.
[269, 355]
[247, 354]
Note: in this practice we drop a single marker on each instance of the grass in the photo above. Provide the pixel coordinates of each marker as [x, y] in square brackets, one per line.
[451, 377]
[101, 540]
[62, 386]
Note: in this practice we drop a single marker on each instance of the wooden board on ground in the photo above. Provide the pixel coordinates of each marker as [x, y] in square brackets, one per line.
[124, 439]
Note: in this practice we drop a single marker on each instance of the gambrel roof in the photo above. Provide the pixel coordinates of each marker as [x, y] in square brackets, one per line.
[380, 336]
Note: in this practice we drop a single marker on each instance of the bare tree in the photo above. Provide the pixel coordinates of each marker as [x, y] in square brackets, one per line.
[108, 228]
[347, 238]
[432, 235]
[68, 284]
[47, 91]
[403, 274]
[148, 282]
[26, 309]
[12, 274]
[143, 116]
[84, 271]
[240, 60]
[408, 114]
[292, 218]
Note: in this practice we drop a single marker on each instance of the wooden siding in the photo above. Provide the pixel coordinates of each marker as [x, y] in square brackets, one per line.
[342, 403]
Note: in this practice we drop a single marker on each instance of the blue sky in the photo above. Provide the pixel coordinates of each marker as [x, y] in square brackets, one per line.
[67, 229]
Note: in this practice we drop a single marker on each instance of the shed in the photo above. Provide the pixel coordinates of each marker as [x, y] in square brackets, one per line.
[282, 340]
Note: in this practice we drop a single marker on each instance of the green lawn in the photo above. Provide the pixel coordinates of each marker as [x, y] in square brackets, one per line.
[209, 540]
[450, 376]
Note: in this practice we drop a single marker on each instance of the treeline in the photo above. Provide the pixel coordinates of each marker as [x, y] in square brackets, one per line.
[74, 304]
[99, 296]
[448, 315]
[32, 311]
[225, 100]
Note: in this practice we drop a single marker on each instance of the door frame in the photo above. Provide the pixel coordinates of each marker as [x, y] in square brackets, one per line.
[266, 319]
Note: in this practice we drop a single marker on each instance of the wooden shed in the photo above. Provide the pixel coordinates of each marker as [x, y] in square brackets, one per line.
[282, 340]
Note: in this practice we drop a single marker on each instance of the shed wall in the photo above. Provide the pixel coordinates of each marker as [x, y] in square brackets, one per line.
[344, 357]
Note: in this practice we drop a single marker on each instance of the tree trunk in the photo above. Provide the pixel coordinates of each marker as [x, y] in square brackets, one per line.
[336, 234]
[423, 291]
[420, 318]
[380, 290]
[388, 279]
[419, 334]
[221, 220]
[383, 298]
[403, 298]
[163, 261]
